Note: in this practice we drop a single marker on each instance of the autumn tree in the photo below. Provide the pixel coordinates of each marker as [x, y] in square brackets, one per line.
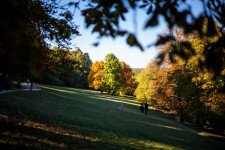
[189, 88]
[111, 75]
[162, 90]
[144, 90]
[212, 87]
[95, 75]
[127, 79]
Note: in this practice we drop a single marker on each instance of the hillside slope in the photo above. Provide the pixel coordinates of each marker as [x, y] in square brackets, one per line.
[68, 118]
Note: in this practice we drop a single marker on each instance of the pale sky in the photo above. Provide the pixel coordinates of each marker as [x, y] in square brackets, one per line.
[131, 55]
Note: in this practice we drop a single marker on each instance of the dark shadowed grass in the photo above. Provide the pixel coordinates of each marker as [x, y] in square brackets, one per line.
[68, 118]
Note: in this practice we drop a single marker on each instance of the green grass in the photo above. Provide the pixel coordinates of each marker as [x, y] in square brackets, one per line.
[68, 118]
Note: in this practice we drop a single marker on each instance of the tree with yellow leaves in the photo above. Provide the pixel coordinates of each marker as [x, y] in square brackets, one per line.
[95, 75]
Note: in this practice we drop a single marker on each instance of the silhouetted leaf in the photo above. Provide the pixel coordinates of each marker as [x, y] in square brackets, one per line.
[189, 47]
[149, 10]
[219, 18]
[96, 44]
[132, 41]
[73, 4]
[211, 28]
[215, 56]
[160, 58]
[182, 53]
[143, 6]
[122, 33]
[164, 39]
[96, 28]
[171, 55]
[153, 21]
[122, 16]
[174, 51]
[199, 25]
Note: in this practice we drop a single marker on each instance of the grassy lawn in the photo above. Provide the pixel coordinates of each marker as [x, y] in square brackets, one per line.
[68, 118]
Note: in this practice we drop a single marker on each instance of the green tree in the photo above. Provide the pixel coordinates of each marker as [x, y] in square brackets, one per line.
[66, 67]
[111, 75]
[82, 66]
[144, 90]
[26, 26]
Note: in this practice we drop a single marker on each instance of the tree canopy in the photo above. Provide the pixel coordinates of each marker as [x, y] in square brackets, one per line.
[127, 79]
[66, 67]
[26, 26]
[95, 75]
[111, 75]
[191, 91]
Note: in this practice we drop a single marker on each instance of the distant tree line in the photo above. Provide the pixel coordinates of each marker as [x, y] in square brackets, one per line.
[66, 67]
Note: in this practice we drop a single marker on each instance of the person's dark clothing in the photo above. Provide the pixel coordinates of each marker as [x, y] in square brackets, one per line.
[146, 108]
[28, 81]
[8, 82]
[31, 85]
[142, 109]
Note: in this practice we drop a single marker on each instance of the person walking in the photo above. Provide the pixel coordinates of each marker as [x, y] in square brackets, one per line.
[146, 108]
[142, 108]
[28, 81]
[8, 82]
[31, 84]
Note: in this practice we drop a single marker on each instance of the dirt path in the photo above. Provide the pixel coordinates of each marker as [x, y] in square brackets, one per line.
[24, 87]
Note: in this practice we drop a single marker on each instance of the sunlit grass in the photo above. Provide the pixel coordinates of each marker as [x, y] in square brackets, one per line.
[206, 134]
[68, 118]
[59, 90]
[116, 100]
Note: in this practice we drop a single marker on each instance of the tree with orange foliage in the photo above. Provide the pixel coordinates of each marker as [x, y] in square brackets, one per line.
[95, 75]
[127, 79]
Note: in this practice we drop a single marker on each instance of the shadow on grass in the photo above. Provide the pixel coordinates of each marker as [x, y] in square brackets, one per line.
[27, 134]
[118, 129]
[31, 135]
[176, 133]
